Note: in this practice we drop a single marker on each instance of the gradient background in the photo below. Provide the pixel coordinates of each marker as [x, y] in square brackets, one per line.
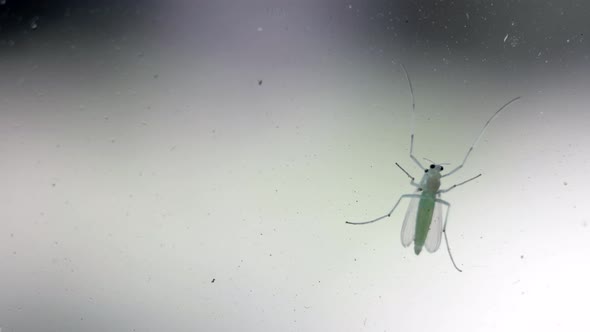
[141, 159]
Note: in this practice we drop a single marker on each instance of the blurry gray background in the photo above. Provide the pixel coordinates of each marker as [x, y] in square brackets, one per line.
[189, 165]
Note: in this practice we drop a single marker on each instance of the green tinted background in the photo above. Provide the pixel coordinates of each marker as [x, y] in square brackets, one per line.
[189, 166]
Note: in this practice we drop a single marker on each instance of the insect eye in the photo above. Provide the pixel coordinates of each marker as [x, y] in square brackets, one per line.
[432, 166]
[441, 168]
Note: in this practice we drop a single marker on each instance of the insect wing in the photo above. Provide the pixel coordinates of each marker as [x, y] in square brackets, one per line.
[436, 227]
[409, 226]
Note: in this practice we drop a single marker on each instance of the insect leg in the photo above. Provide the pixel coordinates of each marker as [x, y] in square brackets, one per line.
[385, 215]
[458, 184]
[412, 182]
[413, 119]
[479, 136]
[445, 231]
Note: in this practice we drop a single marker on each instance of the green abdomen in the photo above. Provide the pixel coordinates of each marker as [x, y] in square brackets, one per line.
[423, 220]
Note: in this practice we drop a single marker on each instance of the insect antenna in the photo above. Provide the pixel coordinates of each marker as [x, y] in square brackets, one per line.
[413, 118]
[432, 162]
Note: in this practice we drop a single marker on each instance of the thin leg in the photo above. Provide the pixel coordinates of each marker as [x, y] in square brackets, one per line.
[386, 215]
[408, 174]
[445, 231]
[479, 136]
[458, 184]
[413, 119]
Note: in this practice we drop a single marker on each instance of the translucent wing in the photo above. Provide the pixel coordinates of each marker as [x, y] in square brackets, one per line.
[436, 227]
[409, 226]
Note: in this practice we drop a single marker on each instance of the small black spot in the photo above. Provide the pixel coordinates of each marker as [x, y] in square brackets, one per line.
[432, 166]
[441, 168]
[213, 280]
[259, 82]
[425, 171]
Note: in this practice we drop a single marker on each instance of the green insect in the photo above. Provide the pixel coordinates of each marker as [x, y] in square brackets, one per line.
[423, 223]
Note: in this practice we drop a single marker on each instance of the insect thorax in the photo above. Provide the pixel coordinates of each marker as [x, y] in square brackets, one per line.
[430, 182]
